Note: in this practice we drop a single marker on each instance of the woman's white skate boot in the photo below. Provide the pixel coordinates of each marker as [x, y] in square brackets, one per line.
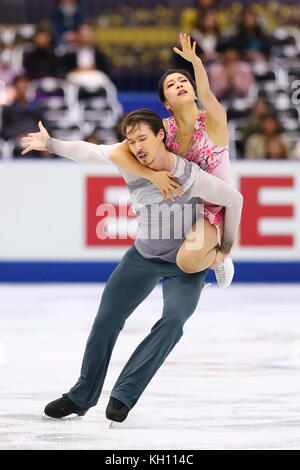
[224, 273]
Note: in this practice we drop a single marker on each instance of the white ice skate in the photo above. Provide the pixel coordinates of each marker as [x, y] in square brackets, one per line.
[224, 273]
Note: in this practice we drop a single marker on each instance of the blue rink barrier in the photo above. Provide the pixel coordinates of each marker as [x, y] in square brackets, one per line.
[133, 100]
[245, 272]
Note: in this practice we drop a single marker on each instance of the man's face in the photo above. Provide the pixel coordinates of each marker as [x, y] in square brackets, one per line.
[144, 144]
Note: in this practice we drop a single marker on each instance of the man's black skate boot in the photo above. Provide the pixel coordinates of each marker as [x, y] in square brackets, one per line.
[116, 410]
[63, 407]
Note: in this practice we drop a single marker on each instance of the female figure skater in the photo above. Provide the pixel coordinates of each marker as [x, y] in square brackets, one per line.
[202, 137]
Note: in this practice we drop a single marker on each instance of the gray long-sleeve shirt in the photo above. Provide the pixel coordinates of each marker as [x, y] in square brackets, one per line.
[163, 225]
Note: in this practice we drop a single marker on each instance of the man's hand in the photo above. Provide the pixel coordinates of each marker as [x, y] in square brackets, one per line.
[188, 51]
[35, 141]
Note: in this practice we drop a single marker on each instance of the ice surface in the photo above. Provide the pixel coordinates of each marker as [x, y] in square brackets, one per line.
[232, 382]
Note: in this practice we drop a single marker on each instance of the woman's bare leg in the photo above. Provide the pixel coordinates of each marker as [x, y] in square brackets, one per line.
[199, 249]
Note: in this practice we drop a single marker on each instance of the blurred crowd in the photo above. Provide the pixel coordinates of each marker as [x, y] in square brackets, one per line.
[64, 72]
[251, 53]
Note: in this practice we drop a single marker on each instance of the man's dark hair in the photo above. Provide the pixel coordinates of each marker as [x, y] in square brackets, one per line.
[146, 116]
[161, 82]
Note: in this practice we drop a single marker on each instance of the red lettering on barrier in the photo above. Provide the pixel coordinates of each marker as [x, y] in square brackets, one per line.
[253, 211]
[95, 196]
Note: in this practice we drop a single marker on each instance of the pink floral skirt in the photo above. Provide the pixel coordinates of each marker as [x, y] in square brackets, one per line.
[215, 215]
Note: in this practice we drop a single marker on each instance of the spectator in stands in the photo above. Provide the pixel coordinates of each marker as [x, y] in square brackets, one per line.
[231, 77]
[258, 145]
[276, 148]
[10, 63]
[207, 35]
[118, 129]
[40, 60]
[93, 139]
[8, 71]
[251, 39]
[189, 19]
[203, 6]
[22, 115]
[66, 19]
[260, 108]
[86, 54]
[296, 151]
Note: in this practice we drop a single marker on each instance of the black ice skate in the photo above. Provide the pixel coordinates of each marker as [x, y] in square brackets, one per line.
[63, 407]
[116, 410]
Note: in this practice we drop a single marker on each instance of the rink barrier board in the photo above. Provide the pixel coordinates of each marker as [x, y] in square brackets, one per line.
[49, 228]
[39, 272]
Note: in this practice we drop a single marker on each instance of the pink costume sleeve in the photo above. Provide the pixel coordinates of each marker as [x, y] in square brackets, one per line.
[221, 171]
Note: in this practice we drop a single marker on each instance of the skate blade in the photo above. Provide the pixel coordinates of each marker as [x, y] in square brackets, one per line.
[115, 425]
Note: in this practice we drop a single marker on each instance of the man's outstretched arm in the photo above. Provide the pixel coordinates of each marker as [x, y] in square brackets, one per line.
[76, 150]
[117, 154]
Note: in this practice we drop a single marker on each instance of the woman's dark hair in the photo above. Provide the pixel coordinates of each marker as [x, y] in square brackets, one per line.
[161, 82]
[135, 118]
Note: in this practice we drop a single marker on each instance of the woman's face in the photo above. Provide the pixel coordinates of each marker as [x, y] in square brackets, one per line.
[178, 90]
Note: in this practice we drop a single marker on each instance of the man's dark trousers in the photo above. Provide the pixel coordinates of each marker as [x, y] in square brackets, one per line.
[129, 284]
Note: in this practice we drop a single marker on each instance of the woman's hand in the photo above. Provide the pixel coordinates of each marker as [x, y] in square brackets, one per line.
[35, 141]
[219, 259]
[188, 51]
[163, 181]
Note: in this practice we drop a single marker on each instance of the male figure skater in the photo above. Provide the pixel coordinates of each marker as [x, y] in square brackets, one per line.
[150, 259]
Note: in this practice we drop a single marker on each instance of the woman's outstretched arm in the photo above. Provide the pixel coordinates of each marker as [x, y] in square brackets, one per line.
[216, 119]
